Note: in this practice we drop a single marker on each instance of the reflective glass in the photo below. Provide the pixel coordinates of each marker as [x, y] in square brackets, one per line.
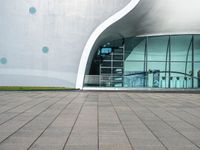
[152, 62]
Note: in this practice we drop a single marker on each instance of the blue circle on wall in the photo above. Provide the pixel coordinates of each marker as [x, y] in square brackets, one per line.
[32, 10]
[3, 60]
[45, 49]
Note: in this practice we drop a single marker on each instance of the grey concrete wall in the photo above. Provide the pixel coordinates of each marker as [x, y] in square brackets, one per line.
[63, 26]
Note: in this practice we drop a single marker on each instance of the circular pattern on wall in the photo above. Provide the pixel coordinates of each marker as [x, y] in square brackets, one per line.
[32, 10]
[45, 49]
[3, 60]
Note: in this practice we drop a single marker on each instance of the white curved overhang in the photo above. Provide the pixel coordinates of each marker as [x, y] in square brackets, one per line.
[94, 36]
[144, 18]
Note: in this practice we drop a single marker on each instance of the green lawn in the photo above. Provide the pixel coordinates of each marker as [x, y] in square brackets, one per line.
[23, 88]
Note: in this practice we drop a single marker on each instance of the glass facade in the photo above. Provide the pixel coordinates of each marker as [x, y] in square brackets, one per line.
[148, 62]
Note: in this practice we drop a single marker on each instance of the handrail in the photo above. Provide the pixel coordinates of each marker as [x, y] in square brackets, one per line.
[163, 72]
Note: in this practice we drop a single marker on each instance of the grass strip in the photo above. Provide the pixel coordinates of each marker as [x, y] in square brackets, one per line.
[29, 88]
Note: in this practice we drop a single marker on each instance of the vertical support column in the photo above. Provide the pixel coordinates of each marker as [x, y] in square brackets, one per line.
[169, 84]
[124, 48]
[147, 42]
[166, 62]
[192, 75]
[186, 62]
[144, 67]
[111, 77]
[146, 62]
[100, 69]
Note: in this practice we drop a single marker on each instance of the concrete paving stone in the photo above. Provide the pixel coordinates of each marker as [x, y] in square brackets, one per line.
[140, 134]
[152, 147]
[48, 146]
[194, 136]
[184, 147]
[57, 132]
[144, 142]
[115, 147]
[83, 139]
[81, 147]
[11, 147]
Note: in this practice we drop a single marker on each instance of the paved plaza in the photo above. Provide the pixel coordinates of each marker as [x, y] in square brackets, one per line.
[99, 121]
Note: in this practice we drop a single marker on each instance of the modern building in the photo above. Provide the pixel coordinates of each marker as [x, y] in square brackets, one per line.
[100, 43]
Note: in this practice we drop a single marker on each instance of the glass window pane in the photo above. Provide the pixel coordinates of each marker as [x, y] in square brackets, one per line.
[137, 52]
[180, 46]
[157, 47]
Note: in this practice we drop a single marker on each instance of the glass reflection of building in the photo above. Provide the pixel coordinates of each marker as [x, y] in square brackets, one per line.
[147, 62]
